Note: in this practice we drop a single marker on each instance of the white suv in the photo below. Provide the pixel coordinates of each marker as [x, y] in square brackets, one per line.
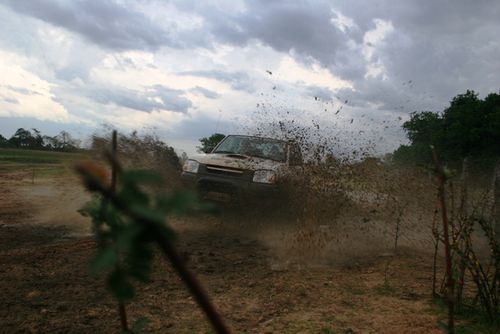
[242, 165]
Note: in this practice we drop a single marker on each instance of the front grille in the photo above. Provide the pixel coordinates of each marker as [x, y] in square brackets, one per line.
[228, 171]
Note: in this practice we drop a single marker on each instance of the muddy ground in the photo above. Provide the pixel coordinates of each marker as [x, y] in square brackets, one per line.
[265, 274]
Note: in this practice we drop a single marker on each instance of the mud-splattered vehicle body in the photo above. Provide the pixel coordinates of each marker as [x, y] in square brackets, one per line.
[242, 167]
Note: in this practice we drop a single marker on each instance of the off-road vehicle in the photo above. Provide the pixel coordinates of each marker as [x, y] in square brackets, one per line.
[241, 166]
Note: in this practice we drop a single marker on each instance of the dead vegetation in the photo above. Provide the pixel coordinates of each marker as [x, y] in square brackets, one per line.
[142, 152]
[475, 245]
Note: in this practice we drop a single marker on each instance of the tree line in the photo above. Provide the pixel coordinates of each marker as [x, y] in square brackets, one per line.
[468, 128]
[34, 140]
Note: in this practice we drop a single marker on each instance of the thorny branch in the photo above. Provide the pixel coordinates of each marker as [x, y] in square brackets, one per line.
[442, 200]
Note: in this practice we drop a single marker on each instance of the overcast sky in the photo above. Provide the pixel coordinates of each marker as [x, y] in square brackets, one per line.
[352, 70]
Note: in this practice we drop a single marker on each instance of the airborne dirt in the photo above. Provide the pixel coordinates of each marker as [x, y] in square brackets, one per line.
[265, 273]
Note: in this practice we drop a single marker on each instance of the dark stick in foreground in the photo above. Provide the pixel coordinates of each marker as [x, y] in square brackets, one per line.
[449, 279]
[435, 233]
[114, 147]
[192, 283]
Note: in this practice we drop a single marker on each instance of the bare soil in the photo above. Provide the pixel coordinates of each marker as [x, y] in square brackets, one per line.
[265, 275]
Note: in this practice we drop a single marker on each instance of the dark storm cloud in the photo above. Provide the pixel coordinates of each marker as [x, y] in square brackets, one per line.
[237, 80]
[107, 23]
[157, 97]
[436, 51]
[302, 28]
[209, 94]
[443, 47]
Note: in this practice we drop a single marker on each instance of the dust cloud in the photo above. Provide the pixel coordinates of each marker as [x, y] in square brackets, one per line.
[55, 201]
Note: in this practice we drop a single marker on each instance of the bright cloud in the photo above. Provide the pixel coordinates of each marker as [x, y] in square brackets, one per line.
[24, 94]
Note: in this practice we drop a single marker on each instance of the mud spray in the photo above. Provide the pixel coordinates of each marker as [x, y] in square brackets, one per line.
[348, 203]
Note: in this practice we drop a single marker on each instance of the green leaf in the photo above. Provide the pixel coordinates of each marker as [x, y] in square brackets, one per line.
[148, 214]
[114, 220]
[120, 287]
[105, 259]
[132, 195]
[139, 262]
[141, 176]
[126, 236]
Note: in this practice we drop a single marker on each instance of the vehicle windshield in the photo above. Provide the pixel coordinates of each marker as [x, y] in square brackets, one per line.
[253, 146]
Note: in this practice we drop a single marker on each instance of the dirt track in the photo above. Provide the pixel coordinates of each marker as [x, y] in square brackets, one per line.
[258, 288]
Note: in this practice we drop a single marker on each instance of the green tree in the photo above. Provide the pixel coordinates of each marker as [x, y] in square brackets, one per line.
[4, 142]
[208, 143]
[423, 129]
[64, 142]
[469, 127]
[22, 138]
[37, 139]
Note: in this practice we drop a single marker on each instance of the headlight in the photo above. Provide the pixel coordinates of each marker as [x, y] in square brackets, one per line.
[191, 166]
[264, 176]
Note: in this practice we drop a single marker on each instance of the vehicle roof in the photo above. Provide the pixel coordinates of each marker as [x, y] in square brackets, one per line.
[284, 141]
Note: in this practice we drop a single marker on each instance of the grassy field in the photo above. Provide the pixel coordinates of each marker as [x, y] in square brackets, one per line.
[23, 157]
[41, 163]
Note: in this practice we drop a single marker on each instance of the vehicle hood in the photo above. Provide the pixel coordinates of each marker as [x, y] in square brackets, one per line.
[246, 163]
